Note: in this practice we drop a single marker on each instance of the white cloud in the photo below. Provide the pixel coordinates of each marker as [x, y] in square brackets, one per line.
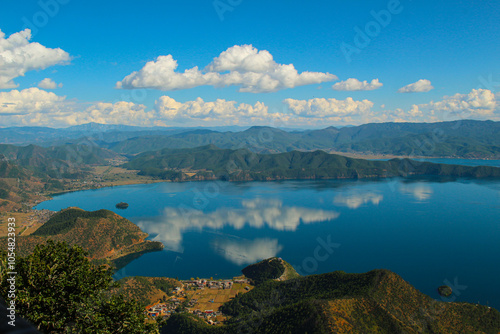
[354, 201]
[29, 101]
[323, 111]
[253, 70]
[218, 112]
[18, 56]
[48, 83]
[242, 252]
[420, 86]
[352, 84]
[478, 104]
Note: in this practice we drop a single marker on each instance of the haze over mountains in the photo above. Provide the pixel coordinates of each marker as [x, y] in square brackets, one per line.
[458, 139]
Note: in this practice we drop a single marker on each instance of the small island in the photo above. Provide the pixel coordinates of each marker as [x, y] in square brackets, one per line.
[122, 205]
[445, 291]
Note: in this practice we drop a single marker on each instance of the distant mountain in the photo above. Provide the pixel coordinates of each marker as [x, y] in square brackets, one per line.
[466, 139]
[378, 301]
[60, 158]
[210, 162]
[459, 139]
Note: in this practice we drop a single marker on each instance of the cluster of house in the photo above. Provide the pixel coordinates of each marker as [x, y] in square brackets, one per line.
[203, 283]
[209, 315]
[210, 284]
[163, 309]
[40, 216]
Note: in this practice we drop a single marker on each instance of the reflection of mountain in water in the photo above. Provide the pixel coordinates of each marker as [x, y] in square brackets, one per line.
[256, 213]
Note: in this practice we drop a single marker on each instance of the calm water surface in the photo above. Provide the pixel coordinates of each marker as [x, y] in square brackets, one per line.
[431, 232]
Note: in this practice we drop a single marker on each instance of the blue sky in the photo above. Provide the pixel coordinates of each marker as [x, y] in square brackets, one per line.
[448, 50]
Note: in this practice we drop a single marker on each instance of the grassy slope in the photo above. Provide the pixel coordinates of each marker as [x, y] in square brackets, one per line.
[103, 234]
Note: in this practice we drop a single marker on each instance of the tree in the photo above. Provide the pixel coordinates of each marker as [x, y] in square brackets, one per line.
[60, 290]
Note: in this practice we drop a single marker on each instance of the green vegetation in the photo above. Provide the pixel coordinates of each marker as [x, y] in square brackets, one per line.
[445, 291]
[60, 291]
[122, 205]
[65, 220]
[375, 302]
[145, 290]
[244, 165]
[264, 270]
[107, 237]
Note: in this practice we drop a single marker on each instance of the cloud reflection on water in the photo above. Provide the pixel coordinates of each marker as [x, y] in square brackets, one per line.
[242, 252]
[256, 213]
[420, 191]
[354, 201]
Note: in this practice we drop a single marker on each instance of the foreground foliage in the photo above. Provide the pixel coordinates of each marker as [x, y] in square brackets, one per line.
[61, 291]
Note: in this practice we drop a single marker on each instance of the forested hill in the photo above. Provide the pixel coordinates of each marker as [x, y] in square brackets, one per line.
[210, 162]
[103, 234]
[378, 301]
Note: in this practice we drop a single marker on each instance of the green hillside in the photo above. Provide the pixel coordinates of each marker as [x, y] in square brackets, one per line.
[104, 235]
[375, 302]
[210, 162]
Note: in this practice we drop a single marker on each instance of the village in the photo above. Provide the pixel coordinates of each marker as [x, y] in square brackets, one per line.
[201, 297]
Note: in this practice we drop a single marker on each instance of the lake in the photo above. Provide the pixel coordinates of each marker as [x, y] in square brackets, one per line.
[429, 231]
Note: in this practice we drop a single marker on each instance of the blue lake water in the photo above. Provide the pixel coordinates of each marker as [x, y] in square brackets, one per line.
[431, 232]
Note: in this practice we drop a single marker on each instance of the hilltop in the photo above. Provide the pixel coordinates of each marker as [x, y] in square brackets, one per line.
[378, 301]
[269, 269]
[104, 235]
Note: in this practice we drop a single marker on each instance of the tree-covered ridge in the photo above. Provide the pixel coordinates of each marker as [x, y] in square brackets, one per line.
[103, 234]
[66, 219]
[378, 301]
[264, 270]
[210, 162]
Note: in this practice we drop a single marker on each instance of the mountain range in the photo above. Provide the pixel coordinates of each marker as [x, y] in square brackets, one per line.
[458, 139]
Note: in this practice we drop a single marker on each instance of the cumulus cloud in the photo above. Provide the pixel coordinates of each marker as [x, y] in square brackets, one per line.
[18, 56]
[478, 104]
[220, 111]
[352, 84]
[48, 83]
[354, 201]
[245, 66]
[332, 110]
[421, 86]
[29, 101]
[242, 252]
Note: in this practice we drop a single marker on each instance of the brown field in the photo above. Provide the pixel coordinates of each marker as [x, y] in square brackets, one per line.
[25, 223]
[219, 296]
